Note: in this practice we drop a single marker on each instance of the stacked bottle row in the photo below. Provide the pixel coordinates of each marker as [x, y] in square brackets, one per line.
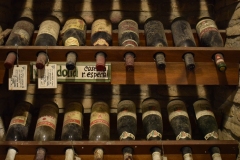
[73, 33]
[99, 127]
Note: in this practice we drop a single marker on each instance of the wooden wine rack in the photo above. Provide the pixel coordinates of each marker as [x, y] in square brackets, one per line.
[145, 71]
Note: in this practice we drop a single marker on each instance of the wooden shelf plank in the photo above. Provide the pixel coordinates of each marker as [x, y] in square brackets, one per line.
[175, 73]
[115, 147]
[116, 53]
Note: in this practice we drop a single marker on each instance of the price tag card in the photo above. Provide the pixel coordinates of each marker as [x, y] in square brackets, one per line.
[18, 78]
[47, 77]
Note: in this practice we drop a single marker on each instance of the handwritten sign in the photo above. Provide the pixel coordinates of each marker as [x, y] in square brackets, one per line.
[84, 72]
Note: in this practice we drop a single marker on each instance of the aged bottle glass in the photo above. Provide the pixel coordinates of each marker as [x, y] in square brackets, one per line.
[210, 37]
[47, 36]
[101, 35]
[180, 123]
[19, 126]
[128, 36]
[183, 37]
[155, 36]
[207, 124]
[73, 34]
[20, 35]
[46, 126]
[99, 126]
[2, 129]
[126, 124]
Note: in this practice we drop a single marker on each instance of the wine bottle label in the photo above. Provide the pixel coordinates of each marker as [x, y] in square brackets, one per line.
[204, 26]
[176, 108]
[126, 135]
[127, 26]
[49, 27]
[47, 121]
[187, 156]
[156, 156]
[71, 41]
[73, 117]
[216, 156]
[129, 43]
[183, 135]
[126, 113]
[212, 134]
[101, 25]
[101, 42]
[74, 23]
[19, 119]
[22, 33]
[154, 134]
[202, 108]
[147, 113]
[99, 118]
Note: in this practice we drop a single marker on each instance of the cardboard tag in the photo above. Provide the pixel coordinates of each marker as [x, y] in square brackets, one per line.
[47, 77]
[18, 78]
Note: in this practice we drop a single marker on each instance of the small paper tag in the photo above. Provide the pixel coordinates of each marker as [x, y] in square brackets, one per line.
[47, 77]
[18, 78]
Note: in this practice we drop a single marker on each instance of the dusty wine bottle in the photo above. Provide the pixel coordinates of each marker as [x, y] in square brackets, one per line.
[180, 123]
[128, 36]
[72, 126]
[207, 124]
[20, 35]
[155, 36]
[126, 124]
[73, 34]
[99, 126]
[46, 126]
[210, 36]
[183, 37]
[19, 126]
[101, 35]
[152, 123]
[47, 36]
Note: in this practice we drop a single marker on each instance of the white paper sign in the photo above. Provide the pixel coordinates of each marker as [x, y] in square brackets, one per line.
[47, 77]
[18, 78]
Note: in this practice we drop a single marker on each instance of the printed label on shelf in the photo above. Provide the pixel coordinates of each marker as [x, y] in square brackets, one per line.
[48, 76]
[18, 78]
[84, 72]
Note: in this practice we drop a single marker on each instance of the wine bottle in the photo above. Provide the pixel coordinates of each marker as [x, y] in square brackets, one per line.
[20, 35]
[19, 126]
[152, 123]
[183, 37]
[128, 36]
[180, 123]
[99, 126]
[73, 34]
[155, 36]
[47, 36]
[126, 124]
[210, 37]
[207, 124]
[46, 126]
[101, 35]
[72, 126]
